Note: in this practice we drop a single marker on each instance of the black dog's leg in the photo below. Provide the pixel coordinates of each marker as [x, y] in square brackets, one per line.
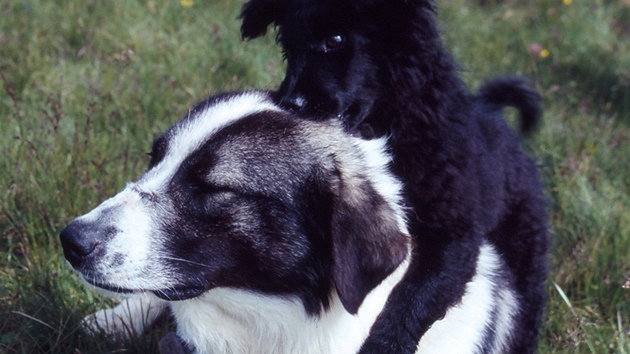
[446, 241]
[432, 285]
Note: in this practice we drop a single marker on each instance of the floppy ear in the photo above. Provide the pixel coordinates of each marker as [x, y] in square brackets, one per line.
[257, 15]
[367, 243]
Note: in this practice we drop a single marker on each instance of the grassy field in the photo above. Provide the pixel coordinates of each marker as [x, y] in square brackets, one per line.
[84, 86]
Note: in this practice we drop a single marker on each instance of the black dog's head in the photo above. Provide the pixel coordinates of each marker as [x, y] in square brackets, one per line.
[340, 52]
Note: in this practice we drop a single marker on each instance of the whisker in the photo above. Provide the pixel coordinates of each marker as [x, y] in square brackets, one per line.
[186, 261]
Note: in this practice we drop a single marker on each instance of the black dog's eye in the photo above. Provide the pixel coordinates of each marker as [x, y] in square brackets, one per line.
[334, 41]
[331, 43]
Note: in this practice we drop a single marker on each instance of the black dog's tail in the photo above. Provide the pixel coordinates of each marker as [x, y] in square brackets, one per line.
[513, 92]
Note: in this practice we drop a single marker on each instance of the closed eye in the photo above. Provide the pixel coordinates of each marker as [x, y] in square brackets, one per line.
[201, 184]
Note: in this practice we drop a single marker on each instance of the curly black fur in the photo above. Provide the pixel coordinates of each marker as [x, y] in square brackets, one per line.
[379, 65]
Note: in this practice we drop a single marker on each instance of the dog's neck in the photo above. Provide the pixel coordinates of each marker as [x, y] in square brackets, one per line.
[228, 320]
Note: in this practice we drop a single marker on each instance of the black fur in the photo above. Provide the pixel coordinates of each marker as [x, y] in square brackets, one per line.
[380, 66]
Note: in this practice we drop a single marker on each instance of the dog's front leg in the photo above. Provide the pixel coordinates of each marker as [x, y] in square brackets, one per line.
[128, 319]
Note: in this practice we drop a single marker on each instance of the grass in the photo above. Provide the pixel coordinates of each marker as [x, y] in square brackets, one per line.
[84, 86]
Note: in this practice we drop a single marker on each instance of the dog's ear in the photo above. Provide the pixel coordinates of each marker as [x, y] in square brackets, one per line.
[257, 15]
[367, 242]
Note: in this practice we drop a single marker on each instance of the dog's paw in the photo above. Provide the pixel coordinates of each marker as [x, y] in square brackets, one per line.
[128, 319]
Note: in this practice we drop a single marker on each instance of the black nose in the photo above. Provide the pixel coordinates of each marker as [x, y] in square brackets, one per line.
[78, 243]
[293, 102]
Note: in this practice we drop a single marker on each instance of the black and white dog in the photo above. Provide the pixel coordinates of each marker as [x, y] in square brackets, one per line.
[265, 233]
[380, 67]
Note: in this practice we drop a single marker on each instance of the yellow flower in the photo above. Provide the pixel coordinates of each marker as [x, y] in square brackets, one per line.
[190, 3]
[590, 149]
[544, 53]
[567, 2]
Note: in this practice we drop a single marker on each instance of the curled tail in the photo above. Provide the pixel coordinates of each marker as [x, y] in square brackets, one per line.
[513, 92]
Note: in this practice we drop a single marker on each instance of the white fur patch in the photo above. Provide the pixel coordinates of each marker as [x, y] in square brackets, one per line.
[463, 328]
[376, 164]
[131, 247]
[189, 136]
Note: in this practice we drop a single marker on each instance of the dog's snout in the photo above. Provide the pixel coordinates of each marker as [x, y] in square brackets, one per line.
[293, 102]
[78, 243]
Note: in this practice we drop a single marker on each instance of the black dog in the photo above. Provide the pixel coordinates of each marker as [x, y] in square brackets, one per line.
[379, 66]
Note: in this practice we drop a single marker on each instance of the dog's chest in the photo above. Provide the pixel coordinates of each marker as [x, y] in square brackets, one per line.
[239, 321]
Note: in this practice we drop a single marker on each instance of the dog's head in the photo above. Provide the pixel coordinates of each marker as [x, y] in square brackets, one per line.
[340, 53]
[241, 194]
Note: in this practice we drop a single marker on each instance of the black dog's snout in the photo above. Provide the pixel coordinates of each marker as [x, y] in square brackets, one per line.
[78, 243]
[293, 102]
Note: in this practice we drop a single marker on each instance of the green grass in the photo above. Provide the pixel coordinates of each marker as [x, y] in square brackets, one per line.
[84, 86]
